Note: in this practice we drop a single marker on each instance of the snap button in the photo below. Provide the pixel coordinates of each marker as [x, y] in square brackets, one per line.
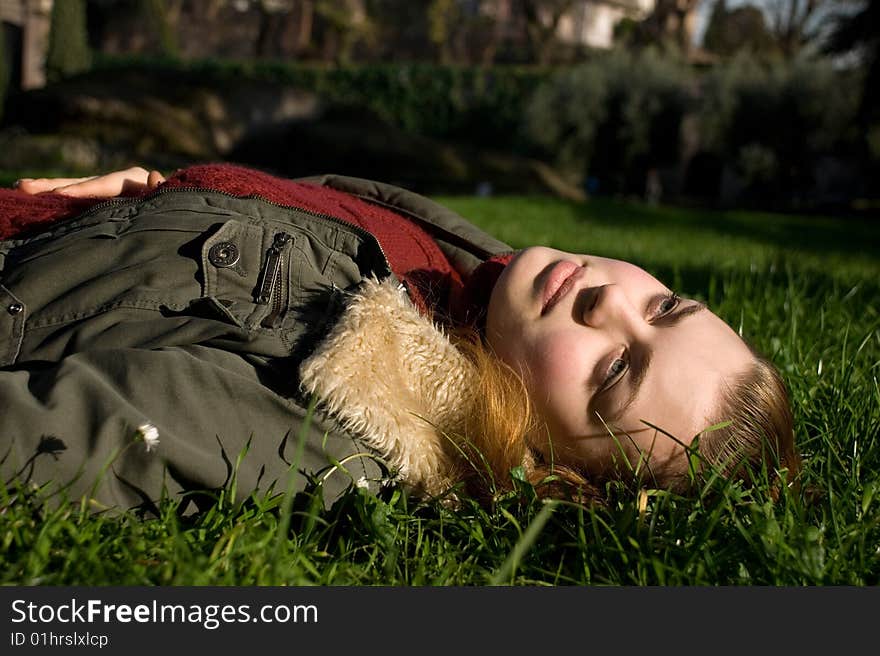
[223, 254]
[15, 308]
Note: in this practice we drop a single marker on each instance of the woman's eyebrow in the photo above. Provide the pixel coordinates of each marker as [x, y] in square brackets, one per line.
[690, 307]
[636, 379]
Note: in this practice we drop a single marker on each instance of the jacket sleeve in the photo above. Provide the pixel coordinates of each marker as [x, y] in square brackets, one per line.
[78, 425]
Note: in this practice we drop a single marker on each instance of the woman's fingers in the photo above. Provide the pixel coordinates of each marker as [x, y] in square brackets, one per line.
[40, 185]
[129, 182]
[119, 183]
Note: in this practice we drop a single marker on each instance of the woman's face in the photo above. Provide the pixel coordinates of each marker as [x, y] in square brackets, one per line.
[604, 347]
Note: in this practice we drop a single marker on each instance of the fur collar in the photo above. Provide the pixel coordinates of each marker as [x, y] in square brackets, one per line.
[391, 376]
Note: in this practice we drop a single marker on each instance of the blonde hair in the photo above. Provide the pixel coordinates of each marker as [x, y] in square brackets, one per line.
[759, 430]
[502, 423]
[500, 426]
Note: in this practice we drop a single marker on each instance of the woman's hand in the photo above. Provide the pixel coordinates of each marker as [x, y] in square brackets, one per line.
[129, 182]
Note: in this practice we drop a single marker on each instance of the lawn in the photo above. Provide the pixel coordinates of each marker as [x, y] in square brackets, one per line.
[803, 290]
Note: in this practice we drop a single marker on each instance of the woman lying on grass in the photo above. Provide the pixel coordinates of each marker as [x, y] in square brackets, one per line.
[202, 314]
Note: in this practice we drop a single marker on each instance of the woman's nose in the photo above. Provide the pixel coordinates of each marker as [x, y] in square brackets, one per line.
[607, 307]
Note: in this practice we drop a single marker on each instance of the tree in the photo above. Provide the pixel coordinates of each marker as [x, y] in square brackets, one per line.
[69, 51]
[274, 14]
[741, 28]
[164, 15]
[4, 69]
[542, 21]
[612, 118]
[345, 24]
[671, 23]
[859, 32]
[305, 22]
[464, 33]
[795, 23]
[443, 16]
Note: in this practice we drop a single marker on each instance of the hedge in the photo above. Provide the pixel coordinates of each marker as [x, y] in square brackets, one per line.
[481, 104]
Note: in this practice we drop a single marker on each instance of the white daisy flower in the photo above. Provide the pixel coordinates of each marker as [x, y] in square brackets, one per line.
[363, 483]
[150, 436]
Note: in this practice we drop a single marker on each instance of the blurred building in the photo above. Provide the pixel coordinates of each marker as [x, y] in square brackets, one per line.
[592, 22]
[589, 23]
[26, 39]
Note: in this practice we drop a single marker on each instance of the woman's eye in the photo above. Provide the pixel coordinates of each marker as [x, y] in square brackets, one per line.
[668, 304]
[615, 371]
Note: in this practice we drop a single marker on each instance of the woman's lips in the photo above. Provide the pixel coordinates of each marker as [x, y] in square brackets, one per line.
[559, 281]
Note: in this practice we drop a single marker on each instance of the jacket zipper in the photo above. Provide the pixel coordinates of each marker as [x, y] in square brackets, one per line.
[271, 286]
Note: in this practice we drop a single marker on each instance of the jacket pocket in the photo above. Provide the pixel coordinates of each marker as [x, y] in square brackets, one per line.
[103, 267]
[246, 269]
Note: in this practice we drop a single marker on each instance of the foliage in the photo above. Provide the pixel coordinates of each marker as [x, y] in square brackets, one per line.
[858, 32]
[542, 18]
[804, 290]
[740, 28]
[668, 26]
[69, 51]
[157, 15]
[442, 15]
[613, 117]
[775, 120]
[799, 26]
[479, 104]
[344, 27]
[750, 129]
[771, 123]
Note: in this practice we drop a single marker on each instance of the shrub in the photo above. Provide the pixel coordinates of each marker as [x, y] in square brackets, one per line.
[774, 121]
[479, 105]
[613, 117]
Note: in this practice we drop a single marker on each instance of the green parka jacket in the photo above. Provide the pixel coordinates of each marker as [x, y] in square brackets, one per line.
[146, 314]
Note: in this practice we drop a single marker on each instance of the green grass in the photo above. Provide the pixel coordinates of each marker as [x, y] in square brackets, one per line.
[804, 290]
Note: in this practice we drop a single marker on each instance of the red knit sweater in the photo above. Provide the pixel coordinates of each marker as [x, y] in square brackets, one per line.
[413, 255]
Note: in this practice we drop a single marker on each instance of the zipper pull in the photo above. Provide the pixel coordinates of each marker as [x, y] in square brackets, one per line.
[269, 278]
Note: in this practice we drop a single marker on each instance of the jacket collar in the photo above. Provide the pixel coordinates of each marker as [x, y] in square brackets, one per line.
[391, 376]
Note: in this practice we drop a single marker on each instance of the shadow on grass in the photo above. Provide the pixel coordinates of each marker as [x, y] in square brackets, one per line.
[812, 234]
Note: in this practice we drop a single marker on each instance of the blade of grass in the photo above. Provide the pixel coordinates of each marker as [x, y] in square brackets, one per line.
[533, 530]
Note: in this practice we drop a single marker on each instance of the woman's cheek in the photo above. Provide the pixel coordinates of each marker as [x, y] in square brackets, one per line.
[558, 380]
